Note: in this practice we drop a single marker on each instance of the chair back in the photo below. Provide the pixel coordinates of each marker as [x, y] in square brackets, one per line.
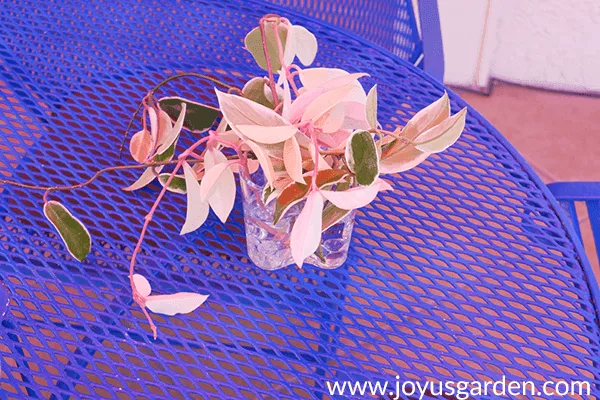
[586, 193]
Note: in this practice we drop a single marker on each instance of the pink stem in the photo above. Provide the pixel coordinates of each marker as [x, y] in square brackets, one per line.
[269, 67]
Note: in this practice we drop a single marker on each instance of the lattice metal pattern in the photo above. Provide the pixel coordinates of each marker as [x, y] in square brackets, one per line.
[388, 23]
[463, 272]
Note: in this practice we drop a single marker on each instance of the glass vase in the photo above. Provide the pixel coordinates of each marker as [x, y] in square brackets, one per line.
[269, 244]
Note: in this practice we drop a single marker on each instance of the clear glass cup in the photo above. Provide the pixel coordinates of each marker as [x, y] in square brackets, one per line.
[269, 244]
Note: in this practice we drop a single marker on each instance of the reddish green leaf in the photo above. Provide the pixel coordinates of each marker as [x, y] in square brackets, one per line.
[296, 191]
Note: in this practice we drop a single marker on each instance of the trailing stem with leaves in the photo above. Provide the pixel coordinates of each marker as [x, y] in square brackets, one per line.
[313, 133]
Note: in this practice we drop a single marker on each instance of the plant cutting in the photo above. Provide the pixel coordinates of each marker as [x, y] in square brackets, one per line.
[306, 147]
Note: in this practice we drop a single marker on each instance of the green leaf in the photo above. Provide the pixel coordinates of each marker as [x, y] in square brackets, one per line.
[295, 192]
[254, 45]
[255, 90]
[73, 233]
[362, 157]
[177, 184]
[198, 117]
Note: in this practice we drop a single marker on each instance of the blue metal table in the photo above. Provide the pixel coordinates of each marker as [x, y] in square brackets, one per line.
[466, 271]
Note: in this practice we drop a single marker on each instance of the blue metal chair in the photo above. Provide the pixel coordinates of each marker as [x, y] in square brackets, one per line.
[391, 24]
[567, 193]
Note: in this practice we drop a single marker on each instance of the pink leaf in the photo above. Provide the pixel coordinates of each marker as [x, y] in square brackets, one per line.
[172, 304]
[312, 78]
[222, 194]
[325, 102]
[164, 124]
[197, 210]
[140, 146]
[301, 102]
[306, 232]
[267, 134]
[148, 176]
[292, 159]
[142, 285]
[356, 197]
[356, 116]
[333, 120]
[168, 137]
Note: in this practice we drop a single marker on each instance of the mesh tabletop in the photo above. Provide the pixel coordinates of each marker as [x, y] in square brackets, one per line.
[464, 272]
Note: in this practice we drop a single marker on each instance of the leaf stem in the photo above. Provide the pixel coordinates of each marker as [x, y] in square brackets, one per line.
[97, 174]
[139, 299]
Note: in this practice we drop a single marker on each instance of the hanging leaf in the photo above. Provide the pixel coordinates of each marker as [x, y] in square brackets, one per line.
[142, 285]
[198, 117]
[173, 304]
[254, 45]
[306, 232]
[356, 197]
[71, 230]
[371, 107]
[362, 157]
[140, 146]
[295, 192]
[221, 196]
[147, 176]
[177, 184]
[292, 159]
[444, 135]
[197, 211]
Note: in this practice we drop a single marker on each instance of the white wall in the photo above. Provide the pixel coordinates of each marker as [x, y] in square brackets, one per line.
[543, 43]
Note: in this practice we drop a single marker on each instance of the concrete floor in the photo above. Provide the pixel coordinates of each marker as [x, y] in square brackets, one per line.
[558, 134]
